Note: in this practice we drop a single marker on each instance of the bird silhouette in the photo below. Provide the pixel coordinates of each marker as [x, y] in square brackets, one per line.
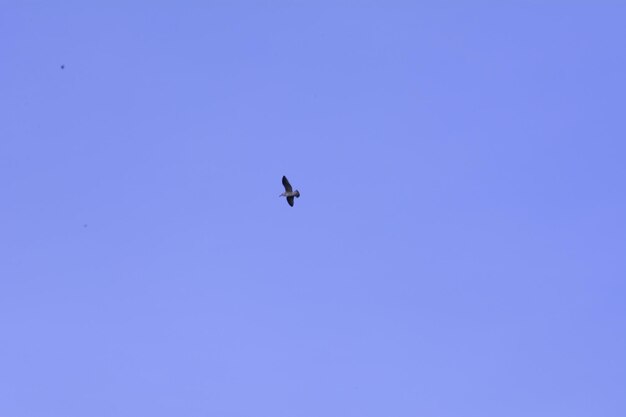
[289, 193]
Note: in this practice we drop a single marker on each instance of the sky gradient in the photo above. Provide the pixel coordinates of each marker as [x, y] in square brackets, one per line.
[459, 247]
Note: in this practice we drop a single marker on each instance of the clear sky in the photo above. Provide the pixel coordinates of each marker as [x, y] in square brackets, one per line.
[459, 248]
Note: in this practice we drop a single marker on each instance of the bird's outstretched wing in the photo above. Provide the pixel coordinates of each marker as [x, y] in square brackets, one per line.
[290, 200]
[286, 184]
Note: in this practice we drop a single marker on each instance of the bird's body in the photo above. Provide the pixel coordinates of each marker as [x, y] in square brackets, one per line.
[289, 193]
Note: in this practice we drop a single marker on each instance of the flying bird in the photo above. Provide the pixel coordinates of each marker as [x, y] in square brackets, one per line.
[289, 193]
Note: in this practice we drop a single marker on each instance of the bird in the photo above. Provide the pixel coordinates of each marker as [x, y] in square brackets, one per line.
[289, 193]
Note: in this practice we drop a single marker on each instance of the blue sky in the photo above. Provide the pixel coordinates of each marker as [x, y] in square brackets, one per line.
[458, 248]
